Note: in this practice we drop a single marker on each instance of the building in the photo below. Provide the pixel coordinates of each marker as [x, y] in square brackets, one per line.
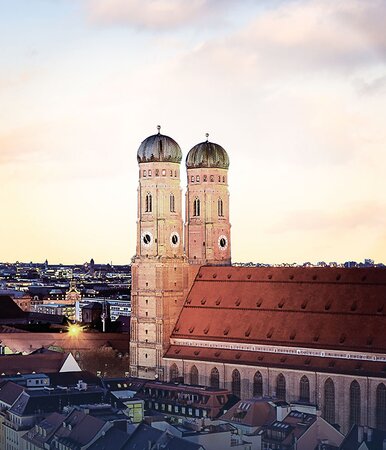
[309, 334]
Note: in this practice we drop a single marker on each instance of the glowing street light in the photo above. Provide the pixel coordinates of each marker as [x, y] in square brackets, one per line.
[74, 329]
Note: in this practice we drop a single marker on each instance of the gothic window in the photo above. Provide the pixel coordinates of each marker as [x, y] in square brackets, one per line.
[205, 178]
[156, 172]
[258, 385]
[148, 203]
[192, 179]
[381, 407]
[219, 178]
[211, 178]
[171, 173]
[175, 173]
[220, 208]
[329, 401]
[280, 387]
[172, 203]
[196, 207]
[214, 380]
[193, 375]
[144, 173]
[236, 383]
[198, 178]
[304, 389]
[149, 172]
[223, 179]
[174, 373]
[355, 403]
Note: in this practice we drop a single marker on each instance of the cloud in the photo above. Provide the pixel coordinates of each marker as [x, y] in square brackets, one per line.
[367, 214]
[156, 14]
[298, 37]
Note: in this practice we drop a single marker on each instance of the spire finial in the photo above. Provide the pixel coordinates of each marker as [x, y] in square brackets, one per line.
[159, 129]
[207, 136]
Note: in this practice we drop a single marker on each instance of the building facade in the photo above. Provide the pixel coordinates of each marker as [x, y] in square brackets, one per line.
[301, 334]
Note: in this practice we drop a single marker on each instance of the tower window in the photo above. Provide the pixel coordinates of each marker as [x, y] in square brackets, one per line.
[148, 203]
[205, 178]
[192, 179]
[171, 173]
[220, 208]
[172, 203]
[211, 178]
[149, 172]
[219, 178]
[163, 172]
[144, 173]
[196, 207]
[175, 173]
[156, 172]
[198, 178]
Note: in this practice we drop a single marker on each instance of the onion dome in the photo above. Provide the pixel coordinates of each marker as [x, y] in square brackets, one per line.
[207, 154]
[159, 148]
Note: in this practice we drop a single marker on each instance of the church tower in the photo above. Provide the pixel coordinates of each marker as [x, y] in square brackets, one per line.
[207, 233]
[159, 269]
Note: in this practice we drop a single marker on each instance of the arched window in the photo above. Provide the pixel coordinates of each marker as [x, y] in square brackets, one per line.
[355, 403]
[304, 389]
[192, 178]
[144, 173]
[258, 385]
[172, 203]
[149, 172]
[380, 411]
[236, 383]
[198, 178]
[174, 375]
[148, 203]
[214, 380]
[196, 207]
[205, 178]
[329, 401]
[280, 387]
[193, 375]
[220, 208]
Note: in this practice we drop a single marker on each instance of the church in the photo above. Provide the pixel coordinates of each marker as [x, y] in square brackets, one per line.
[307, 335]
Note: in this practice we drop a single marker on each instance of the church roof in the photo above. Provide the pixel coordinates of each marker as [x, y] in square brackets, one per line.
[320, 308]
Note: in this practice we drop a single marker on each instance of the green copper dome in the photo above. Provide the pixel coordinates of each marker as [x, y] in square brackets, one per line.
[159, 148]
[207, 154]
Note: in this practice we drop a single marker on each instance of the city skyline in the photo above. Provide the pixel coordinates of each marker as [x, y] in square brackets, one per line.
[294, 91]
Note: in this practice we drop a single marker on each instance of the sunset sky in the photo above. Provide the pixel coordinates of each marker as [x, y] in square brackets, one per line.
[295, 91]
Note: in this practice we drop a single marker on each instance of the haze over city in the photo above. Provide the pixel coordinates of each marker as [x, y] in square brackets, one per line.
[295, 91]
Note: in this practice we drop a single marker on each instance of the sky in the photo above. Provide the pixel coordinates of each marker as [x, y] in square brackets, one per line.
[294, 90]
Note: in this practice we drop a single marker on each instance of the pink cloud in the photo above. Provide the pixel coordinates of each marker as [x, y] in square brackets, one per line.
[155, 14]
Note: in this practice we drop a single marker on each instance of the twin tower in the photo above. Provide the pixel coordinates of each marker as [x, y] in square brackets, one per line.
[168, 254]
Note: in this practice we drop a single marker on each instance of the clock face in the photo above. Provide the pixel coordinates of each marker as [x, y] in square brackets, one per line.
[222, 242]
[174, 239]
[146, 239]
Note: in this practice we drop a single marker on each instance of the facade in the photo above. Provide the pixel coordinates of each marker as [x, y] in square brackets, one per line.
[301, 334]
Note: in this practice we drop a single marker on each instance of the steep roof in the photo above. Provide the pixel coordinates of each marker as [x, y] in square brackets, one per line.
[9, 392]
[252, 413]
[291, 306]
[42, 363]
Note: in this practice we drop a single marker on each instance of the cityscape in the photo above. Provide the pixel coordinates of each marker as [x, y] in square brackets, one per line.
[163, 287]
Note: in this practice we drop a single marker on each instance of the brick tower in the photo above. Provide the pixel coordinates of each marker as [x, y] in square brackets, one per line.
[207, 233]
[160, 269]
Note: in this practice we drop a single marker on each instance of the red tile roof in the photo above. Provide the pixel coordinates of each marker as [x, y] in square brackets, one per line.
[293, 306]
[39, 363]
